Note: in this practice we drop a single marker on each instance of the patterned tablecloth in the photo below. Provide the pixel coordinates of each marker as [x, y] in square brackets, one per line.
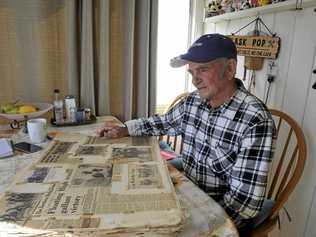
[204, 216]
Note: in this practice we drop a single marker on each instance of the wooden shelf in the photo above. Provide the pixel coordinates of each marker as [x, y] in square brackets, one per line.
[277, 7]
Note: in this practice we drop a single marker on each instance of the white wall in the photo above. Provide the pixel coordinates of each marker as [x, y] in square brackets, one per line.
[292, 93]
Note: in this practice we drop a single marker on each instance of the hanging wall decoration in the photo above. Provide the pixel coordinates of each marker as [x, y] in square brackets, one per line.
[256, 46]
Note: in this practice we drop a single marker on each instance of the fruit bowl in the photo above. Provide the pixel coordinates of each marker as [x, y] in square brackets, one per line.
[42, 109]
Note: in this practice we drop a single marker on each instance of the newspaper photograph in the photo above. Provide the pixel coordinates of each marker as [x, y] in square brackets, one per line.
[17, 207]
[44, 174]
[88, 154]
[132, 154]
[37, 175]
[92, 150]
[92, 176]
[144, 176]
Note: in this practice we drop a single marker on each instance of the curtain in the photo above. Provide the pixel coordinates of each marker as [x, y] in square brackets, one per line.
[32, 50]
[101, 51]
[118, 56]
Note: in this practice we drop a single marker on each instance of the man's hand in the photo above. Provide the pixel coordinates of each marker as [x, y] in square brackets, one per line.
[112, 131]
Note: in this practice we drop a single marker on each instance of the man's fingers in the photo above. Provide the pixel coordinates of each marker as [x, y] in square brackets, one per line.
[115, 133]
[112, 131]
[102, 131]
[99, 132]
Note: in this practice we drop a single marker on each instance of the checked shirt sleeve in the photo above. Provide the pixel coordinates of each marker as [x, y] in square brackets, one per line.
[169, 123]
[248, 178]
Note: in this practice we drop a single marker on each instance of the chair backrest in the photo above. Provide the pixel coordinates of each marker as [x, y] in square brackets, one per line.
[288, 162]
[174, 141]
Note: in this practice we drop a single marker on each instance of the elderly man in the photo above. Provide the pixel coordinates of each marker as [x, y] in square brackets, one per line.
[227, 132]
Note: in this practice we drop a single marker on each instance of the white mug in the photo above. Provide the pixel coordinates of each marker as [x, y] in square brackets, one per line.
[37, 130]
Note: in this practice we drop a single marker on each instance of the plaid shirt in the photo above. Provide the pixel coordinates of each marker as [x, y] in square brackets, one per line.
[226, 151]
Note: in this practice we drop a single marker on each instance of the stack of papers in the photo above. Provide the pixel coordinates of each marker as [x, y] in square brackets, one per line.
[5, 148]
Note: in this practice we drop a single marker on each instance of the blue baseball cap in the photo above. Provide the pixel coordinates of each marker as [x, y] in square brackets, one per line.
[205, 49]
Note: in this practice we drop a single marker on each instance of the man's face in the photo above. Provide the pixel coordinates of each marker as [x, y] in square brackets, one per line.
[210, 78]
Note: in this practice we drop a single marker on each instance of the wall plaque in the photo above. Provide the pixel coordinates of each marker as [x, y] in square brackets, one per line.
[257, 46]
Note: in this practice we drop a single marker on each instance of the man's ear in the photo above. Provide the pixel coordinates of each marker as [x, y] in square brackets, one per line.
[231, 68]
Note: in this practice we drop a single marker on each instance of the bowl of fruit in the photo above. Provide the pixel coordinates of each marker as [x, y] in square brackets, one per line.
[23, 111]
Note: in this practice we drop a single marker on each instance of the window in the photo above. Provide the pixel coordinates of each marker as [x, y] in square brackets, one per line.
[173, 38]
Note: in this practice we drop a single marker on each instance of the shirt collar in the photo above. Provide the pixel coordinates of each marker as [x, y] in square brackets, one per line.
[230, 107]
[236, 101]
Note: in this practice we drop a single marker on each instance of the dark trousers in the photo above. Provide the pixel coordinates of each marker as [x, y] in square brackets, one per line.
[245, 230]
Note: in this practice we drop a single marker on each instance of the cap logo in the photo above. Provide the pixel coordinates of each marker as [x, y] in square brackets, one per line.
[196, 45]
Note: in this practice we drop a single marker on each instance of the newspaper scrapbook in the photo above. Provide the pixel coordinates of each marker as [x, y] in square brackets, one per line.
[95, 185]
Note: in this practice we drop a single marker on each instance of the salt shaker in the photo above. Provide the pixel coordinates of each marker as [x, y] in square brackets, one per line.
[72, 114]
[70, 107]
[58, 108]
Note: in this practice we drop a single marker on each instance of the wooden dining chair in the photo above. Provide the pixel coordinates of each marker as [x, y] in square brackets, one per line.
[286, 170]
[174, 141]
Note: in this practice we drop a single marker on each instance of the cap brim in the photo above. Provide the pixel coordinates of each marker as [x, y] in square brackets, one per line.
[178, 62]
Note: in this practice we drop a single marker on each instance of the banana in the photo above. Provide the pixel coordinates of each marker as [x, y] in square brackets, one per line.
[24, 109]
